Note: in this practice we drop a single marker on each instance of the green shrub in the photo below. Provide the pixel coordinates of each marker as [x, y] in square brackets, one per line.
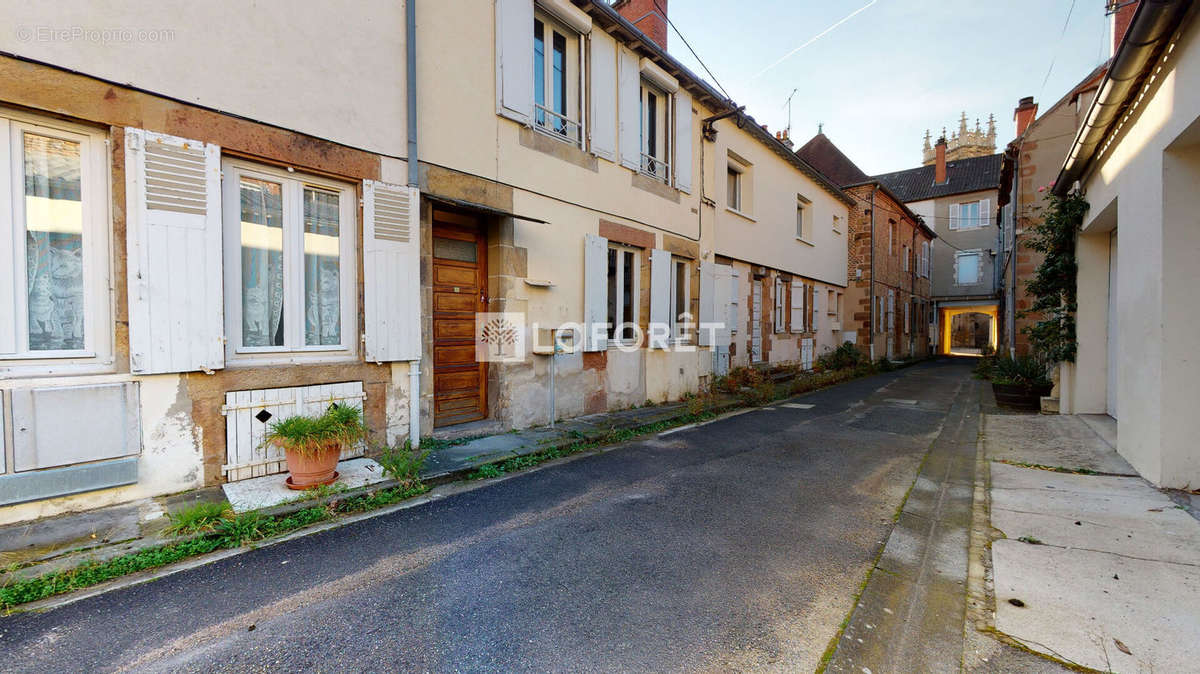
[403, 464]
[884, 365]
[845, 356]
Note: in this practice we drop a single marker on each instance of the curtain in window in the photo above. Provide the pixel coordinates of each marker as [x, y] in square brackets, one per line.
[53, 243]
[262, 262]
[322, 272]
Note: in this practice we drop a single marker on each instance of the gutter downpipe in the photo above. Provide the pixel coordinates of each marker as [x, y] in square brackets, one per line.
[410, 77]
[871, 292]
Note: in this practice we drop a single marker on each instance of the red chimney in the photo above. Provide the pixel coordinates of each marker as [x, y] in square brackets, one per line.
[645, 15]
[1122, 15]
[939, 169]
[1025, 113]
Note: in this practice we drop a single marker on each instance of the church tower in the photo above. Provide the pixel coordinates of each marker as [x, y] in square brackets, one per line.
[965, 142]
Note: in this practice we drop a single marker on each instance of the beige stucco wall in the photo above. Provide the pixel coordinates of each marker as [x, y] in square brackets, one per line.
[1147, 181]
[332, 70]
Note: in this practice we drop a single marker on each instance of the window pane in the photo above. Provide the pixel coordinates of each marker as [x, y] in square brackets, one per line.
[53, 243]
[612, 293]
[968, 269]
[322, 268]
[734, 188]
[627, 296]
[539, 70]
[681, 281]
[800, 221]
[651, 125]
[455, 249]
[560, 80]
[262, 262]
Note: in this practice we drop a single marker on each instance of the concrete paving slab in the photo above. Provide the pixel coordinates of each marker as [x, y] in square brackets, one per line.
[45, 538]
[270, 490]
[1064, 441]
[1076, 602]
[1124, 516]
[921, 546]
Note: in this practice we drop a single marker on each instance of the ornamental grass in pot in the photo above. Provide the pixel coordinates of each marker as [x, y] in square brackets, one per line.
[312, 445]
[1019, 382]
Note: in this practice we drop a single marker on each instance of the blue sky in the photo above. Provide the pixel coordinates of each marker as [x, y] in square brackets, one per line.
[894, 69]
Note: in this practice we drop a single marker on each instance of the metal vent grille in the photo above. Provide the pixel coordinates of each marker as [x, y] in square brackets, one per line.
[175, 179]
[392, 214]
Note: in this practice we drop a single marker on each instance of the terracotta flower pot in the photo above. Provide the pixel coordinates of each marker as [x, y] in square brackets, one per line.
[312, 470]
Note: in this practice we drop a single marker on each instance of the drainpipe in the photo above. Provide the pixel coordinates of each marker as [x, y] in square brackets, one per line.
[871, 291]
[410, 77]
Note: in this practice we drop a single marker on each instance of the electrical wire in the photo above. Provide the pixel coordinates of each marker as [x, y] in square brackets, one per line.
[671, 23]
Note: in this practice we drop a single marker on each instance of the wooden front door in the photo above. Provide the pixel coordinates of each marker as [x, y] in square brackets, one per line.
[459, 290]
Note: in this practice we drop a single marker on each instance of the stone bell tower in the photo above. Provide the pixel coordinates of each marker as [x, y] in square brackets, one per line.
[965, 142]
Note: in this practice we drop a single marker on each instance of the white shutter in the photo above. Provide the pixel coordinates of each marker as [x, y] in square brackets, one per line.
[595, 291]
[8, 260]
[604, 95]
[660, 287]
[683, 141]
[391, 272]
[780, 307]
[629, 92]
[173, 249]
[708, 301]
[797, 306]
[735, 294]
[724, 303]
[514, 59]
[985, 212]
[954, 215]
[816, 312]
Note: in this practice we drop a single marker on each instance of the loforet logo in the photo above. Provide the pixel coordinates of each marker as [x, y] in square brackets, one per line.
[500, 337]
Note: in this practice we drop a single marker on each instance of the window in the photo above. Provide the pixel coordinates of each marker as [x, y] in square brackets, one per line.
[54, 261]
[837, 308]
[904, 255]
[623, 280]
[681, 293]
[837, 224]
[891, 237]
[970, 215]
[289, 261]
[967, 269]
[831, 303]
[734, 189]
[556, 80]
[803, 219]
[780, 305]
[655, 120]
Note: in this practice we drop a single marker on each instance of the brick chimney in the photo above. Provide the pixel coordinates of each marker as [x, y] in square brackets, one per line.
[1122, 15]
[782, 136]
[939, 169]
[1025, 113]
[644, 14]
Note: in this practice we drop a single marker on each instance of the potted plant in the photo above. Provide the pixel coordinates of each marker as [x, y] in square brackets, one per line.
[312, 445]
[1020, 382]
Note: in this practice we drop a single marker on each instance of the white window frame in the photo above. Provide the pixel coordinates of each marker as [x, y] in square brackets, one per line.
[733, 187]
[804, 219]
[656, 166]
[837, 224]
[96, 197]
[978, 254]
[573, 78]
[677, 332]
[831, 301]
[294, 349]
[904, 253]
[614, 340]
[780, 322]
[960, 223]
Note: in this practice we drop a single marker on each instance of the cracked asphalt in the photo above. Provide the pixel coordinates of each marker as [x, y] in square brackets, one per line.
[738, 544]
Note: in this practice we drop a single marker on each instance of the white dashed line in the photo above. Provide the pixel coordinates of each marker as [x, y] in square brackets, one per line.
[798, 406]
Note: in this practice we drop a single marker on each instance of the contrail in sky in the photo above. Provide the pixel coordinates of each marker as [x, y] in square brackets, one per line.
[814, 38]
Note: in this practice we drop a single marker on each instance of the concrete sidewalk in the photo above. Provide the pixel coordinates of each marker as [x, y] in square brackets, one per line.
[1093, 566]
[32, 548]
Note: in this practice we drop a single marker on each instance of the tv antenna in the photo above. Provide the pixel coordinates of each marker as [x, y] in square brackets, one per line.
[788, 105]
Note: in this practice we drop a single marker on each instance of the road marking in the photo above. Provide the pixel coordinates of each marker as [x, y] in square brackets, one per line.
[798, 406]
[900, 401]
[768, 409]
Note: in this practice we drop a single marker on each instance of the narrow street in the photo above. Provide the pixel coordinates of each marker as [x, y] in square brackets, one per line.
[739, 544]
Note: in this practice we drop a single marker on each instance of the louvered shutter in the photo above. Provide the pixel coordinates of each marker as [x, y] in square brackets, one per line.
[724, 303]
[954, 215]
[629, 92]
[660, 288]
[708, 301]
[595, 292]
[8, 260]
[735, 294]
[391, 272]
[683, 141]
[797, 306]
[604, 95]
[514, 59]
[173, 248]
[985, 213]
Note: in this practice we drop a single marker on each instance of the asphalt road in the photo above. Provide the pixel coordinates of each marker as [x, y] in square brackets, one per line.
[734, 545]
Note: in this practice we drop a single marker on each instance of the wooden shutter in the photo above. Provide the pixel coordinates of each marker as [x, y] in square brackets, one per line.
[891, 311]
[778, 296]
[985, 213]
[954, 215]
[660, 287]
[8, 259]
[683, 141]
[629, 92]
[391, 272]
[604, 95]
[816, 313]
[709, 307]
[735, 294]
[514, 59]
[797, 306]
[173, 248]
[907, 316]
[724, 303]
[595, 291]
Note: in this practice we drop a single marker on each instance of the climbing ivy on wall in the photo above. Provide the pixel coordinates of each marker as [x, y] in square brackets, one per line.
[1052, 287]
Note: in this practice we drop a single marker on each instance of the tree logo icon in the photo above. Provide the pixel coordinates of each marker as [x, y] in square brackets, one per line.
[500, 337]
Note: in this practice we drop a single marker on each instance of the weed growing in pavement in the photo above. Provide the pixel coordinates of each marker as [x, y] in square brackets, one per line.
[1053, 469]
[1030, 540]
[199, 518]
[402, 463]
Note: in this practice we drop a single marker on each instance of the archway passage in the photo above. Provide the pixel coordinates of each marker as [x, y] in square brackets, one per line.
[968, 330]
